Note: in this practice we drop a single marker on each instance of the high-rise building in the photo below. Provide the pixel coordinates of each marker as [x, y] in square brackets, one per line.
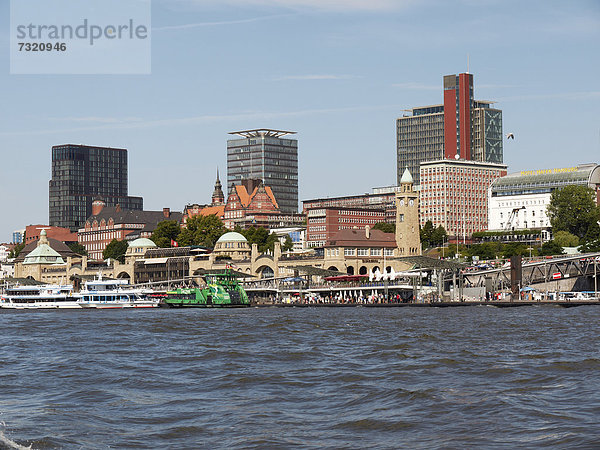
[266, 155]
[454, 194]
[82, 173]
[460, 128]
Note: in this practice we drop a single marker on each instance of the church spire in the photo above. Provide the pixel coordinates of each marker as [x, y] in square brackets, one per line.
[218, 198]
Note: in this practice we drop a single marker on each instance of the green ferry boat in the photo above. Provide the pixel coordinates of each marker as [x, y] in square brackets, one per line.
[222, 290]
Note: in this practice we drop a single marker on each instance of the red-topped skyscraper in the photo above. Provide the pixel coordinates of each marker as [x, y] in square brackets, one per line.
[460, 128]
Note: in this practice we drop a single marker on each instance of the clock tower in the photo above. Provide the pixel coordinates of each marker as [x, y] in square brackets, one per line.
[408, 237]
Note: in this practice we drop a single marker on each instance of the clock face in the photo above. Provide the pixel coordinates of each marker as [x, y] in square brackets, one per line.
[402, 202]
[411, 202]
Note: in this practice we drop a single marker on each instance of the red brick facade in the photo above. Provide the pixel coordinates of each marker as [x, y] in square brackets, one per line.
[32, 233]
[322, 224]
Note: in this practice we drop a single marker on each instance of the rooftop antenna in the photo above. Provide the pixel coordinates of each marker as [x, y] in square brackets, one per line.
[467, 63]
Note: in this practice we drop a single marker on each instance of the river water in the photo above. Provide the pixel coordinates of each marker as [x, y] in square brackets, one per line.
[300, 377]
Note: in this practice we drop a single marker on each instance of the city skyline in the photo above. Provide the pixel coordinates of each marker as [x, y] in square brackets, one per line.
[343, 73]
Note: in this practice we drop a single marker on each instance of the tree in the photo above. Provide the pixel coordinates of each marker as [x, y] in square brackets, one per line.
[16, 250]
[288, 244]
[385, 227]
[115, 250]
[426, 234]
[514, 248]
[76, 247]
[551, 248]
[591, 241]
[573, 209]
[486, 250]
[202, 230]
[166, 231]
[439, 236]
[261, 237]
[566, 239]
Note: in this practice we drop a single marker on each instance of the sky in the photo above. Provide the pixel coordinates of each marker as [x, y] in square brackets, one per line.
[338, 72]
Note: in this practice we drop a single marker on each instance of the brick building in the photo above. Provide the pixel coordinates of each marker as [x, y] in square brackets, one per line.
[32, 233]
[322, 224]
[326, 216]
[111, 222]
[360, 251]
[250, 203]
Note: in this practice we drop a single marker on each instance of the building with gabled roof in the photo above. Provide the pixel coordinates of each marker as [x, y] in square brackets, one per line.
[111, 222]
[250, 203]
[359, 251]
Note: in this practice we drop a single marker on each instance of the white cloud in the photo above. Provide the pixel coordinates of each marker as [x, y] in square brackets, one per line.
[337, 5]
[570, 96]
[315, 77]
[414, 86]
[99, 120]
[257, 116]
[218, 23]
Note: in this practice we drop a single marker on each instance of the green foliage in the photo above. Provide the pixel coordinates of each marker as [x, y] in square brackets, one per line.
[591, 241]
[439, 236]
[164, 232]
[484, 234]
[115, 250]
[514, 248]
[288, 244]
[261, 237]
[426, 233]
[202, 230]
[431, 236]
[551, 248]
[486, 250]
[76, 247]
[16, 250]
[566, 239]
[573, 209]
[385, 227]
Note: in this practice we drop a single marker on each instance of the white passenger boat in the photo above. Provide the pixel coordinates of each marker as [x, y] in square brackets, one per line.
[44, 296]
[107, 294]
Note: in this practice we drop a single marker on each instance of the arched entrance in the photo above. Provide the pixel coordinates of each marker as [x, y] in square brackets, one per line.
[265, 272]
[124, 276]
[350, 270]
[363, 270]
[332, 268]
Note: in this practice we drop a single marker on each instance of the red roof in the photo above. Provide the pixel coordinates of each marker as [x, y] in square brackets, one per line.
[358, 238]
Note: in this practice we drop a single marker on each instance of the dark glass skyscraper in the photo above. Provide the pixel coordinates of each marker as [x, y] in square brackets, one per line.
[81, 173]
[264, 154]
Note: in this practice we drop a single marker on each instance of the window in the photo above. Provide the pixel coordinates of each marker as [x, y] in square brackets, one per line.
[349, 252]
[363, 252]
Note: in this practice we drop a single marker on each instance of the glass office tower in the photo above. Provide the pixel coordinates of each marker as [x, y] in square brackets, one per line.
[460, 128]
[265, 155]
[81, 173]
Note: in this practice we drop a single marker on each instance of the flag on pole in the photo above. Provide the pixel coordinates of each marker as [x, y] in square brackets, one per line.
[174, 243]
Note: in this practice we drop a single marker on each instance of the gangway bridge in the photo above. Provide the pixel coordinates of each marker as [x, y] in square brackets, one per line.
[538, 271]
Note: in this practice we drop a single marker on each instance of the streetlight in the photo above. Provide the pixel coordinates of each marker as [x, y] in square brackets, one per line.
[595, 278]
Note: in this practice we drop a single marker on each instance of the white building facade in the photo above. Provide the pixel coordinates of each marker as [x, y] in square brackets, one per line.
[519, 201]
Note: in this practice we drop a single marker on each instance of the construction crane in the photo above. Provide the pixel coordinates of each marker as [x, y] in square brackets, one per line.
[514, 213]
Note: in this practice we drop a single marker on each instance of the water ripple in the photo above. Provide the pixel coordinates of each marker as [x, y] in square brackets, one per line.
[307, 377]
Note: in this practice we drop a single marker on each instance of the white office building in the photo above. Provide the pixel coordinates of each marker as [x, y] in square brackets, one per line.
[519, 200]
